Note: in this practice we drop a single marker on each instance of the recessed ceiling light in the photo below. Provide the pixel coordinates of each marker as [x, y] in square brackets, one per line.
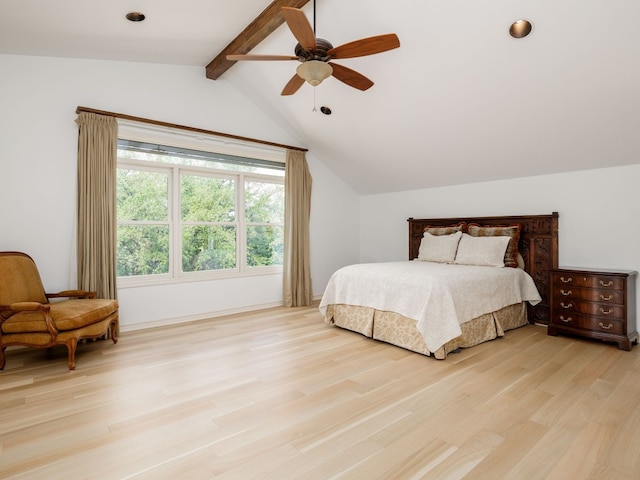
[520, 28]
[135, 16]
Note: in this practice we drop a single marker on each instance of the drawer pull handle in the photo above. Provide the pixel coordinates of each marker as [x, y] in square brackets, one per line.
[566, 320]
[608, 284]
[567, 305]
[608, 312]
[566, 280]
[606, 327]
[607, 298]
[566, 293]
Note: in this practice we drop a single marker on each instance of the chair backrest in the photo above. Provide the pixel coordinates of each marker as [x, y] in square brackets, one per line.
[19, 279]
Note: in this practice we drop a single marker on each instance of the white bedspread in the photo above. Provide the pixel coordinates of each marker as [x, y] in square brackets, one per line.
[440, 297]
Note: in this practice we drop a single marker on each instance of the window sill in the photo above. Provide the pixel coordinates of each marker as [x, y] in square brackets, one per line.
[136, 282]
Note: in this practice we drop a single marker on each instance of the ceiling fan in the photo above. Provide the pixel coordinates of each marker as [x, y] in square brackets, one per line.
[315, 54]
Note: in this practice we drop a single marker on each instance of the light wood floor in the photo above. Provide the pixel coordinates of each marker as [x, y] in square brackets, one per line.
[279, 395]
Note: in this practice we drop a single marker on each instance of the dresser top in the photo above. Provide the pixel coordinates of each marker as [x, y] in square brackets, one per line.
[594, 270]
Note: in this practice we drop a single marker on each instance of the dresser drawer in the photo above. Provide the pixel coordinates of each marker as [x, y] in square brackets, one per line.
[574, 279]
[589, 295]
[593, 324]
[560, 305]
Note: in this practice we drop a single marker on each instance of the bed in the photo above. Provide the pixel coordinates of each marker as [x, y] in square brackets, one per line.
[400, 309]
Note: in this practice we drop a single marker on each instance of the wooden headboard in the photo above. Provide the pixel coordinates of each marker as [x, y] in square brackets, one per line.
[538, 246]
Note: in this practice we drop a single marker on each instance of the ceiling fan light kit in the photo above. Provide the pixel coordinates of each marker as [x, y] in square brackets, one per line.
[314, 71]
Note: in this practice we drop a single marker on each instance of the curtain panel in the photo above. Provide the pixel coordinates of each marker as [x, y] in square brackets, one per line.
[96, 236]
[297, 208]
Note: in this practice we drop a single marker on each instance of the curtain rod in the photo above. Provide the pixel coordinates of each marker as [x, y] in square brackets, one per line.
[190, 129]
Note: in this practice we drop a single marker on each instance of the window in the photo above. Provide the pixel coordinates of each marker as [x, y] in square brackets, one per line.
[189, 213]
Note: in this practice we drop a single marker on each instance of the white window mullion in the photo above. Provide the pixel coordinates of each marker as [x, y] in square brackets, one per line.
[175, 224]
[241, 226]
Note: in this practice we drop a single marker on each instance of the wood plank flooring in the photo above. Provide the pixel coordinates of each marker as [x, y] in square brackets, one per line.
[277, 394]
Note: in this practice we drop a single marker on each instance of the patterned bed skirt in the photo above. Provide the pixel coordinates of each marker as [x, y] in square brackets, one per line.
[401, 331]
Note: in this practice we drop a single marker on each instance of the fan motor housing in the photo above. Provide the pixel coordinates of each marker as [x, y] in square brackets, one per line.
[320, 52]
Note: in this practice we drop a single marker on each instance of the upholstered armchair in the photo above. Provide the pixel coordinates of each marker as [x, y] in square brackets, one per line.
[27, 317]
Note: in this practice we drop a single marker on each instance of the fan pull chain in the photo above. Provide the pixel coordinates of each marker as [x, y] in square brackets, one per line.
[314, 101]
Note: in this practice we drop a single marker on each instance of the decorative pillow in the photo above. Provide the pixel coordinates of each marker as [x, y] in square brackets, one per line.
[511, 231]
[439, 248]
[446, 230]
[487, 251]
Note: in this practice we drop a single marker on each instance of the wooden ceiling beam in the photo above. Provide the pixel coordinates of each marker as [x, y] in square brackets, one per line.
[259, 29]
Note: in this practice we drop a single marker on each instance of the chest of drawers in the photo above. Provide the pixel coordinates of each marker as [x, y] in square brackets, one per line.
[594, 303]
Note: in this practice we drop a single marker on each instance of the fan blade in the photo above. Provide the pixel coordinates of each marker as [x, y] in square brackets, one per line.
[294, 84]
[300, 27]
[260, 57]
[350, 77]
[366, 46]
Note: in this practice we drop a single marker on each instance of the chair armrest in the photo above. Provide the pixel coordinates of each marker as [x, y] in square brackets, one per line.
[28, 306]
[72, 293]
[33, 307]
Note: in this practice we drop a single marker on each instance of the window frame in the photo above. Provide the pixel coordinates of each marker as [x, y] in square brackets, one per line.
[165, 136]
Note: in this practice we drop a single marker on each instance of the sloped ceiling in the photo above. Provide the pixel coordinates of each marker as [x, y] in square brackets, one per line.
[459, 102]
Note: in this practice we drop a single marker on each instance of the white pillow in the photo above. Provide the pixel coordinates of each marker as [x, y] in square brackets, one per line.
[438, 248]
[487, 251]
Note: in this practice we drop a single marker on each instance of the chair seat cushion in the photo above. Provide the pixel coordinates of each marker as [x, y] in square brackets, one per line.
[66, 315]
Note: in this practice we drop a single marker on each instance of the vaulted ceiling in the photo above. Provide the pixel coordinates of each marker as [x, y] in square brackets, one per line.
[460, 101]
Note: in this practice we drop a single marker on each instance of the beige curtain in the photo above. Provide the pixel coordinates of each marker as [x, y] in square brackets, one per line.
[97, 160]
[297, 208]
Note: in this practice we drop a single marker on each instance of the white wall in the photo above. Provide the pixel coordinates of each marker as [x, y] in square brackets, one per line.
[598, 225]
[334, 229]
[38, 150]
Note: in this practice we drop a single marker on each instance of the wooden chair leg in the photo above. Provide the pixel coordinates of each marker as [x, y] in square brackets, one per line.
[114, 331]
[71, 348]
[2, 360]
